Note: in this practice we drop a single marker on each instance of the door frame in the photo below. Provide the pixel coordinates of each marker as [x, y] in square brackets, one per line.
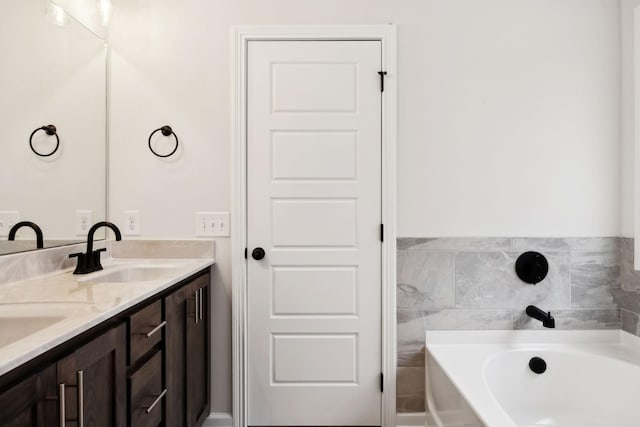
[241, 36]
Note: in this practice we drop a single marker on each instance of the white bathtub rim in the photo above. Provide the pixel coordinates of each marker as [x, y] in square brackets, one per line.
[522, 336]
[467, 374]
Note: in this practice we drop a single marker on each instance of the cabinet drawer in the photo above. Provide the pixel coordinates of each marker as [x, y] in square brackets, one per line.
[145, 328]
[147, 394]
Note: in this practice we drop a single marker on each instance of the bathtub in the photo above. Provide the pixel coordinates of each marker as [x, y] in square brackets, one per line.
[483, 378]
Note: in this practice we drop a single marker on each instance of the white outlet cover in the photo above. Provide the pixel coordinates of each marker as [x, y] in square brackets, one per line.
[84, 221]
[131, 223]
[7, 220]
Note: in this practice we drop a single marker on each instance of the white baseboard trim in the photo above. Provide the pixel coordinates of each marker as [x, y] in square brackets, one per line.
[410, 419]
[218, 419]
[407, 419]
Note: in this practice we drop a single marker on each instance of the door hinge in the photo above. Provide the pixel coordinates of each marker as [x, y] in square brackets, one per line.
[245, 253]
[381, 382]
[382, 74]
[382, 232]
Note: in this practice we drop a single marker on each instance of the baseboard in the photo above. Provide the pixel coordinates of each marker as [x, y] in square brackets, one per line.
[219, 419]
[410, 419]
[406, 419]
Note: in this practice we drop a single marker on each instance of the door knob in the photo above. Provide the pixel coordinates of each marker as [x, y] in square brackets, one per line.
[257, 254]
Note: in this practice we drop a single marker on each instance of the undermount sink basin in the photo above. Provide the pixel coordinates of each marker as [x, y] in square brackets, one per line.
[15, 328]
[133, 274]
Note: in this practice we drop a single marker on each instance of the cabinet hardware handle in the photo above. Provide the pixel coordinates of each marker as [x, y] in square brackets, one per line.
[156, 329]
[155, 402]
[80, 399]
[201, 294]
[61, 402]
[196, 305]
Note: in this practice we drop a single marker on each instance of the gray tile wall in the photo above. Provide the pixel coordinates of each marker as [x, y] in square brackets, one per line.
[470, 283]
[630, 292]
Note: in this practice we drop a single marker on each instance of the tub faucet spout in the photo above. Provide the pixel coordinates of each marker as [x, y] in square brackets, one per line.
[545, 317]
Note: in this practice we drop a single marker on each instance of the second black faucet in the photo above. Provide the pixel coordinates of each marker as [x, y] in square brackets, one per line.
[90, 261]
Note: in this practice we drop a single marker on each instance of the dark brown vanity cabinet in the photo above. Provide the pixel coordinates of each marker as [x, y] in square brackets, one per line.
[146, 380]
[92, 382]
[83, 388]
[31, 402]
[148, 366]
[188, 353]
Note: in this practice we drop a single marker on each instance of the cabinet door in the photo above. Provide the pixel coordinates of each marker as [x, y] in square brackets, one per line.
[32, 402]
[180, 310]
[94, 382]
[187, 354]
[198, 362]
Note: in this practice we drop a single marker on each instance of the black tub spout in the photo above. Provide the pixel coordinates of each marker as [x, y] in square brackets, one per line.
[545, 317]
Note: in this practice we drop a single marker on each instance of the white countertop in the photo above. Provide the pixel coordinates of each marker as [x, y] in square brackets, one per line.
[74, 304]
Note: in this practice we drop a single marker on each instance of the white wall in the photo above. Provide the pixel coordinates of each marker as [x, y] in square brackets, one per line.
[512, 127]
[508, 116]
[627, 118]
[93, 14]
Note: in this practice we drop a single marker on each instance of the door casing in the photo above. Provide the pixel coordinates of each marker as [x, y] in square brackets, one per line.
[386, 34]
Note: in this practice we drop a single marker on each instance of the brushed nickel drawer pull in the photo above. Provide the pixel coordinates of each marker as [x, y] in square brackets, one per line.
[156, 329]
[80, 399]
[155, 402]
[201, 310]
[196, 305]
[61, 402]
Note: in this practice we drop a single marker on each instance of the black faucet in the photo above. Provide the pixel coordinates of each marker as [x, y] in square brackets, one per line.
[90, 261]
[545, 317]
[34, 226]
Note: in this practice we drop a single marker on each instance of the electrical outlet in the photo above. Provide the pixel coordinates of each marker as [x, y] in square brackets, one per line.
[131, 223]
[212, 224]
[84, 220]
[7, 220]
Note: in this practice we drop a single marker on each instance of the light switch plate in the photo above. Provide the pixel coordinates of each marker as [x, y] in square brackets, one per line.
[7, 220]
[212, 224]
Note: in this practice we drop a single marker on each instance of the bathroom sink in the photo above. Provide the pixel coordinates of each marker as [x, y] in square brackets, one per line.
[15, 328]
[134, 274]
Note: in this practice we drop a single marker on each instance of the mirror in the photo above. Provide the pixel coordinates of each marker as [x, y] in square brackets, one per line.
[53, 72]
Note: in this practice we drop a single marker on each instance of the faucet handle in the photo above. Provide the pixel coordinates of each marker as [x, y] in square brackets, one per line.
[82, 262]
[95, 258]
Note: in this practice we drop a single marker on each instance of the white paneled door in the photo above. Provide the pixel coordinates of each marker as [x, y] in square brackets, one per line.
[314, 208]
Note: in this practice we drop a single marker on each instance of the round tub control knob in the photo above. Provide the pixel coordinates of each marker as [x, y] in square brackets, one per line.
[257, 254]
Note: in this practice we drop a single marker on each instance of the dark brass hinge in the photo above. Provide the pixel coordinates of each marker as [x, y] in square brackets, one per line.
[382, 74]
